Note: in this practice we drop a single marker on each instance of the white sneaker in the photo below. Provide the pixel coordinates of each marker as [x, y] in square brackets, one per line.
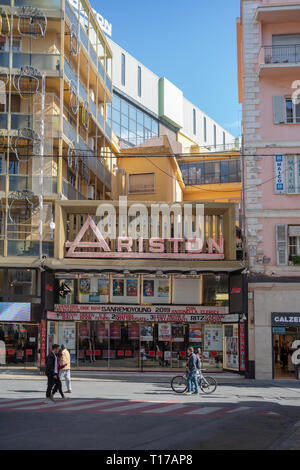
[188, 393]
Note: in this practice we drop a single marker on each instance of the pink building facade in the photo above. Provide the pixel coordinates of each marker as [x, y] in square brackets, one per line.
[268, 34]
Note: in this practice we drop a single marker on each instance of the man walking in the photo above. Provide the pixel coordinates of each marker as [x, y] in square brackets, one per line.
[65, 364]
[192, 372]
[51, 372]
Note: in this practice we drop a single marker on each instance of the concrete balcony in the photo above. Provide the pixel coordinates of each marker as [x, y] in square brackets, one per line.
[270, 13]
[279, 60]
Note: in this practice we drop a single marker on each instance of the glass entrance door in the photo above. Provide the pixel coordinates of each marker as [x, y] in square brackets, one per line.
[283, 339]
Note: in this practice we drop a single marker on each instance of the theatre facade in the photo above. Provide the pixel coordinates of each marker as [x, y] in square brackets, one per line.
[126, 292]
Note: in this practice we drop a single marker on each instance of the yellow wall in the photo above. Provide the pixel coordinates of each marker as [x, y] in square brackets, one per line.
[166, 186]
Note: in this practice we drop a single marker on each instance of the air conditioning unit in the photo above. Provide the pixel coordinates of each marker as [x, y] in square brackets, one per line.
[91, 192]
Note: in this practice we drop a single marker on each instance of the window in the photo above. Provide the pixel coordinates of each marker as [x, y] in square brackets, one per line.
[139, 81]
[294, 244]
[141, 183]
[292, 112]
[209, 172]
[194, 121]
[123, 69]
[224, 140]
[204, 129]
[285, 111]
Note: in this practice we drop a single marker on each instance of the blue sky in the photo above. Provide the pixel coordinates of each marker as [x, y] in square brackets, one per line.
[191, 42]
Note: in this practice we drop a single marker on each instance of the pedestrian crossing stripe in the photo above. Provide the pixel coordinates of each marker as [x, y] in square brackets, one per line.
[117, 406]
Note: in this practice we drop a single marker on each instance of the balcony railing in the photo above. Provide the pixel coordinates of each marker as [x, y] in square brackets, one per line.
[29, 248]
[32, 183]
[68, 70]
[70, 13]
[4, 59]
[281, 54]
[50, 62]
[69, 131]
[70, 192]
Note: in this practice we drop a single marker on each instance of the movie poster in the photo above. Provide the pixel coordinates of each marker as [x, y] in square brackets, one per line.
[103, 287]
[164, 332]
[84, 286]
[177, 333]
[195, 333]
[163, 288]
[148, 288]
[213, 338]
[131, 287]
[146, 333]
[118, 287]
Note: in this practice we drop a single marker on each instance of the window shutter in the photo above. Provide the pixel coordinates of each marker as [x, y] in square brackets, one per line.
[281, 244]
[279, 109]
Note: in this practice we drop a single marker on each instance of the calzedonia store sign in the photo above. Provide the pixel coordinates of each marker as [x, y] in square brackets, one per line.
[286, 319]
[172, 313]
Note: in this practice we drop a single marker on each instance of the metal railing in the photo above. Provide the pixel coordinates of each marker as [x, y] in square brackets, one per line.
[70, 192]
[281, 54]
[43, 61]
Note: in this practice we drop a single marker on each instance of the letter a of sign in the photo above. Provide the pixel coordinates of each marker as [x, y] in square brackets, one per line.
[77, 243]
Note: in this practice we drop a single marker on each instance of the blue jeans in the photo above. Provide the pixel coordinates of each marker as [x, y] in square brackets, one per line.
[192, 382]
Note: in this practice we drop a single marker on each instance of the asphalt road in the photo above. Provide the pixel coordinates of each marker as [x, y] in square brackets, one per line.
[119, 414]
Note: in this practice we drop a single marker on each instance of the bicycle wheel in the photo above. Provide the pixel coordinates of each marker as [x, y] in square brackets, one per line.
[179, 384]
[208, 384]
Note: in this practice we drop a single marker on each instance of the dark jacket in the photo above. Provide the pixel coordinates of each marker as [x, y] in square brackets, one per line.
[193, 363]
[50, 364]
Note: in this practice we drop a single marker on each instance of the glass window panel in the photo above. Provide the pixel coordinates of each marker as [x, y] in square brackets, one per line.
[116, 102]
[192, 174]
[289, 111]
[132, 125]
[132, 138]
[124, 133]
[297, 110]
[154, 127]
[232, 172]
[140, 117]
[124, 108]
[132, 112]
[116, 116]
[140, 130]
[199, 174]
[224, 172]
[124, 121]
[116, 128]
[147, 121]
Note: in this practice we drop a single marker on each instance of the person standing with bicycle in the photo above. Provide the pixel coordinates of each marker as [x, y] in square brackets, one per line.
[192, 367]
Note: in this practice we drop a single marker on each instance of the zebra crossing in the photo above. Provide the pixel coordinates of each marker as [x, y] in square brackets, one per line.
[120, 407]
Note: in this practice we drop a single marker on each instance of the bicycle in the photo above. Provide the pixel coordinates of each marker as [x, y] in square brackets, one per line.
[207, 384]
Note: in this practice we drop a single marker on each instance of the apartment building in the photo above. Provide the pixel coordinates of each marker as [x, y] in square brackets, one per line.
[56, 82]
[269, 72]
